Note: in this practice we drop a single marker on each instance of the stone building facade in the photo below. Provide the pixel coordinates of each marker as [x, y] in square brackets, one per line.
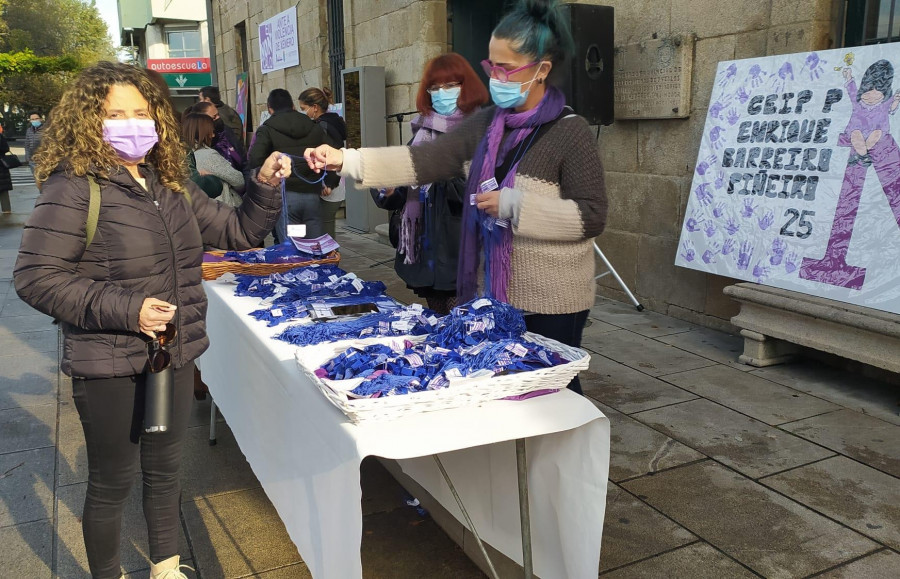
[649, 163]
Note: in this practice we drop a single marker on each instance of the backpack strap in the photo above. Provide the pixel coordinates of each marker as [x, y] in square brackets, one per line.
[93, 210]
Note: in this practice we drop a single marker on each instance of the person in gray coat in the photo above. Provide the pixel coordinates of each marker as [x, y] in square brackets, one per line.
[33, 135]
[139, 275]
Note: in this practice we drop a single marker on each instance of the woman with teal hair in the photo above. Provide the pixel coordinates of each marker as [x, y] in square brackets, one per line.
[535, 195]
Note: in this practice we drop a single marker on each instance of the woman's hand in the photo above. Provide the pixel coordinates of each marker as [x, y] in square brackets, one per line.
[326, 190]
[489, 202]
[155, 314]
[324, 157]
[274, 169]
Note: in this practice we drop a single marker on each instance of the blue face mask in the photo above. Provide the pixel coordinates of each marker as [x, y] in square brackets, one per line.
[509, 95]
[444, 100]
[36, 124]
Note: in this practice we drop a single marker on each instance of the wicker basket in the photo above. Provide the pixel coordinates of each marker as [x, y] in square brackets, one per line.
[214, 269]
[460, 392]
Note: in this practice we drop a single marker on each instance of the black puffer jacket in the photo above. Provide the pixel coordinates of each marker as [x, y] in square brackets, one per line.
[148, 243]
[293, 132]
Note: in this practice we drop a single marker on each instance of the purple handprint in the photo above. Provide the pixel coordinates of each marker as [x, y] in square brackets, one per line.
[719, 210]
[695, 221]
[760, 272]
[688, 249]
[776, 252]
[704, 165]
[748, 209]
[791, 262]
[757, 76]
[730, 74]
[704, 195]
[715, 110]
[766, 220]
[745, 254]
[720, 179]
[814, 65]
[710, 228]
[728, 246]
[710, 255]
[731, 227]
[716, 136]
[785, 73]
[743, 95]
[733, 117]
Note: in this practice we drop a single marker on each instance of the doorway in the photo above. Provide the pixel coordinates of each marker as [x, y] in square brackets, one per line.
[469, 27]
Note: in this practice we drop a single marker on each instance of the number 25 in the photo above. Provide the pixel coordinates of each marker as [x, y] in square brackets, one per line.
[803, 223]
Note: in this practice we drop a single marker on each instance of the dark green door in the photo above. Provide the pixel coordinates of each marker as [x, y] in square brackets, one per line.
[471, 23]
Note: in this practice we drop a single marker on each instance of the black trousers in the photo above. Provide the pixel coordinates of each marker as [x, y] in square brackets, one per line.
[565, 328]
[111, 411]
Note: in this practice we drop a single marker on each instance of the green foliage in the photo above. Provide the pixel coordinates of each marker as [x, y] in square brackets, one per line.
[43, 44]
[26, 62]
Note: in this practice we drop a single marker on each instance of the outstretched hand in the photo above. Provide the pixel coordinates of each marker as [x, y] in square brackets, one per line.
[275, 168]
[324, 157]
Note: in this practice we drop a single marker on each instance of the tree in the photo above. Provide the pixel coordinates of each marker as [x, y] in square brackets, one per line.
[45, 43]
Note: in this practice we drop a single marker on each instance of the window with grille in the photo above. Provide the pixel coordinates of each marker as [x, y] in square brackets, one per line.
[871, 22]
[184, 43]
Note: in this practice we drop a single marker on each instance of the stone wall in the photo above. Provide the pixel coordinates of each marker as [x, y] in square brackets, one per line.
[649, 163]
[401, 36]
[312, 30]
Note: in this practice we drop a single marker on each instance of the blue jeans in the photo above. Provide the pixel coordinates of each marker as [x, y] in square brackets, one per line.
[565, 328]
[301, 208]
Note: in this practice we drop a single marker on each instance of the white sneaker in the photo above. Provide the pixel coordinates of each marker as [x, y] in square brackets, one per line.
[168, 569]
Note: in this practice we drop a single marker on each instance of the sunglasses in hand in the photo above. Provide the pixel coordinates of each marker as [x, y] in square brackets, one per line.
[158, 355]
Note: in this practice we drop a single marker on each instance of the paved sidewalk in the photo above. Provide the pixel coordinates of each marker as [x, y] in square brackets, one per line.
[717, 470]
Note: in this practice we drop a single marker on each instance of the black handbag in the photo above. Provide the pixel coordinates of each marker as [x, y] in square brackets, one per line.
[10, 161]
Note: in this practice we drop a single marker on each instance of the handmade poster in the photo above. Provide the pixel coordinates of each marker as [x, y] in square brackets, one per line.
[240, 103]
[797, 182]
[278, 47]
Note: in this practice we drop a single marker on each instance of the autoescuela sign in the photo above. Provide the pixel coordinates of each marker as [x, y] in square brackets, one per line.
[797, 183]
[179, 65]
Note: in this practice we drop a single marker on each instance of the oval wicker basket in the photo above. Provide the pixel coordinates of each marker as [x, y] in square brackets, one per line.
[461, 392]
[214, 269]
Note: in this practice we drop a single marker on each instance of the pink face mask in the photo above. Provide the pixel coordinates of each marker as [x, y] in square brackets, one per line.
[132, 139]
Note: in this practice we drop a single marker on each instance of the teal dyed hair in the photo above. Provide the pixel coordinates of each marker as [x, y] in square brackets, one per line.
[536, 28]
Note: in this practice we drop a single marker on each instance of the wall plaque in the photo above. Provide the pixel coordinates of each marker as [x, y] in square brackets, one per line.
[653, 79]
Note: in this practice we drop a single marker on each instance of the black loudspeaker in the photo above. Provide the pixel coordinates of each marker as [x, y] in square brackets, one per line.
[588, 80]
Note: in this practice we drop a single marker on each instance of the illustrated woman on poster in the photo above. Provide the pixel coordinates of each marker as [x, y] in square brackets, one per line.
[869, 134]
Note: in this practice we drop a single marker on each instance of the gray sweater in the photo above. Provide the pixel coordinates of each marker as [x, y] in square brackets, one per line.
[558, 203]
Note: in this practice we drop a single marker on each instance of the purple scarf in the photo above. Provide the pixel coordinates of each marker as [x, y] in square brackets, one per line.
[480, 230]
[425, 129]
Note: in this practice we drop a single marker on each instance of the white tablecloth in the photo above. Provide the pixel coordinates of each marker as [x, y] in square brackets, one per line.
[307, 454]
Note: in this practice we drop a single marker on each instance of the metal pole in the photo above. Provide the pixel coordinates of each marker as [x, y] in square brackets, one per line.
[615, 274]
[465, 514]
[212, 421]
[524, 516]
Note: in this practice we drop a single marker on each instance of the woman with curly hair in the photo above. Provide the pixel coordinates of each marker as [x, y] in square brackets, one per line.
[113, 285]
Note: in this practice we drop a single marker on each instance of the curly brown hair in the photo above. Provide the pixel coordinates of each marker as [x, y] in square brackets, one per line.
[75, 135]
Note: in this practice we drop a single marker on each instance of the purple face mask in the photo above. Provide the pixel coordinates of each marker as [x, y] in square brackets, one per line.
[132, 139]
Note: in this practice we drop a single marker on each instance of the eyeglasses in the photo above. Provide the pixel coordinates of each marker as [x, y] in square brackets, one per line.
[446, 86]
[500, 73]
[157, 354]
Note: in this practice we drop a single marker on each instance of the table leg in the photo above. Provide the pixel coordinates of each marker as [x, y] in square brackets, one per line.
[465, 514]
[524, 516]
[212, 421]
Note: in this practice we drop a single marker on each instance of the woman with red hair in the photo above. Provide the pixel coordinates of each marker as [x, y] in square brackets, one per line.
[430, 215]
